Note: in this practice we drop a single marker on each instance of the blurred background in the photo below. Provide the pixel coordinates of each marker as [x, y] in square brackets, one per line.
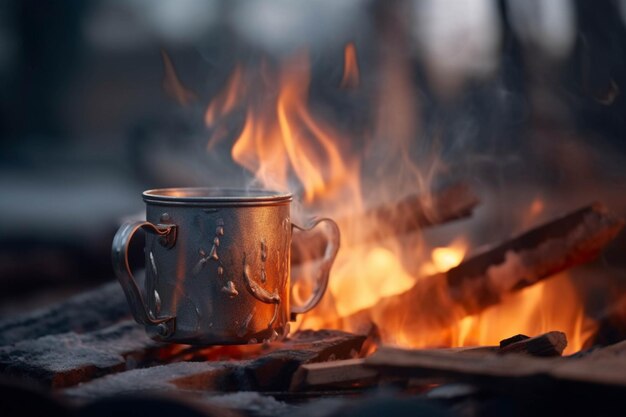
[104, 99]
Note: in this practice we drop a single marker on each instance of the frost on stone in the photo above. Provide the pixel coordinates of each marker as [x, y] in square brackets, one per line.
[68, 353]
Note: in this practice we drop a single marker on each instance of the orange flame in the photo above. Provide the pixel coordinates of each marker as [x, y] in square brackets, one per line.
[285, 140]
[226, 101]
[172, 85]
[288, 146]
[445, 257]
[546, 306]
[351, 76]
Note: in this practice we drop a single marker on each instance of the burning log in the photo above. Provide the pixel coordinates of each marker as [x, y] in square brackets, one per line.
[574, 239]
[436, 302]
[414, 212]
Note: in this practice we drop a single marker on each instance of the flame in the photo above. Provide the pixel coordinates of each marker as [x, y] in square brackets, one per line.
[172, 84]
[227, 100]
[445, 257]
[288, 146]
[283, 139]
[351, 76]
[548, 305]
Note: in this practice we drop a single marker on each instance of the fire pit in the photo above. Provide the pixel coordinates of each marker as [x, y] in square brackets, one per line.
[468, 282]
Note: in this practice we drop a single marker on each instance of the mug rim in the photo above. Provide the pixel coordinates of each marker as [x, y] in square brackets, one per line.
[215, 195]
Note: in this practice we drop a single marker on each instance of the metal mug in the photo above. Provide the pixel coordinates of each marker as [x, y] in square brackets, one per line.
[217, 266]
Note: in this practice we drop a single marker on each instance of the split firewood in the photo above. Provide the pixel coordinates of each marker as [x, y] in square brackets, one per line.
[438, 301]
[412, 213]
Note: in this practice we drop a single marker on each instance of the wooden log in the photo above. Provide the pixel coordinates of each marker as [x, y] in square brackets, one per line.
[571, 240]
[416, 212]
[548, 344]
[412, 213]
[436, 302]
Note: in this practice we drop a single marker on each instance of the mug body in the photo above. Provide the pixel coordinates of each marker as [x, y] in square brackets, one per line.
[226, 278]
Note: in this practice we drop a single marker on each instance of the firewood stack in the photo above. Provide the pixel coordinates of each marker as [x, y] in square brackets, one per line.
[87, 356]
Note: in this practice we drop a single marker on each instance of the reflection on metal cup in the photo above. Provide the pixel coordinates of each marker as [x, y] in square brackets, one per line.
[217, 266]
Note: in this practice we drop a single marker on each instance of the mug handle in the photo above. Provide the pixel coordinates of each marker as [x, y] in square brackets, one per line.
[330, 253]
[119, 251]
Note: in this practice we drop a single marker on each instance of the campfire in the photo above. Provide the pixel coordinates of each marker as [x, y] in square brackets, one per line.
[418, 302]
